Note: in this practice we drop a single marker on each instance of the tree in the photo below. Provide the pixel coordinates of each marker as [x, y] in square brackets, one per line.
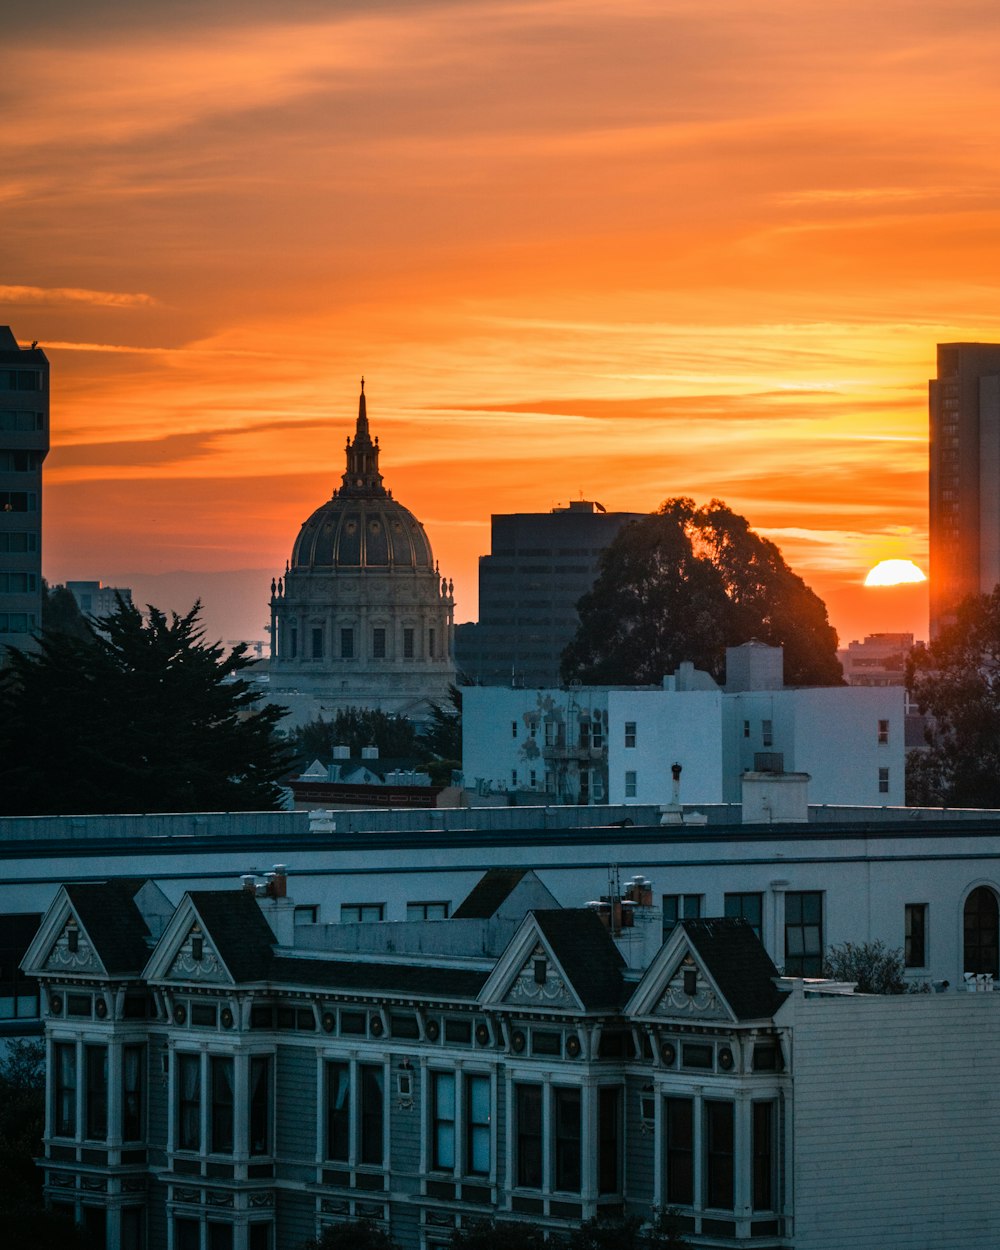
[442, 737]
[685, 583]
[628, 1232]
[136, 716]
[955, 682]
[61, 612]
[352, 1235]
[356, 727]
[26, 1222]
[877, 968]
[498, 1235]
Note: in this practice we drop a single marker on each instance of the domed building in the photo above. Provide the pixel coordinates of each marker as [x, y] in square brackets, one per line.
[362, 616]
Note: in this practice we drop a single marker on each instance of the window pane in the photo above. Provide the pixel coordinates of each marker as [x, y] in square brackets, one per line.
[371, 1114]
[338, 1111]
[609, 1117]
[97, 1092]
[477, 1111]
[680, 1151]
[763, 1156]
[222, 1105]
[189, 1102]
[528, 1099]
[444, 1120]
[567, 1139]
[65, 1108]
[719, 1154]
[260, 1105]
[133, 1059]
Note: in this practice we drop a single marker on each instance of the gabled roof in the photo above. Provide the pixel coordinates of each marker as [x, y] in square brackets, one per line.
[737, 962]
[235, 925]
[587, 954]
[112, 921]
[488, 894]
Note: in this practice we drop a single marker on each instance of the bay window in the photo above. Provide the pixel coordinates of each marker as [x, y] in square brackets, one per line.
[460, 1123]
[355, 1113]
[552, 1115]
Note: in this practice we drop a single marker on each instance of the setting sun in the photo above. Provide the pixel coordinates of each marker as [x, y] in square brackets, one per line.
[894, 573]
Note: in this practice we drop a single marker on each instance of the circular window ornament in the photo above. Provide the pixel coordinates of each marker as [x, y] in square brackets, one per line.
[226, 1016]
[573, 1047]
[433, 1030]
[100, 1009]
[668, 1053]
[180, 1014]
[56, 1004]
[329, 1021]
[482, 1035]
[376, 1028]
[518, 1041]
[726, 1060]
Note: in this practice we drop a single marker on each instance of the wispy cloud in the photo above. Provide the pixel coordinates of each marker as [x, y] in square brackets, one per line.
[75, 295]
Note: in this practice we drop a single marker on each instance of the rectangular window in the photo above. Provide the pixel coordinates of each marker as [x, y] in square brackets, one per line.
[679, 907]
[408, 644]
[220, 1236]
[719, 1154]
[19, 542]
[608, 1137]
[133, 1063]
[347, 644]
[188, 1102]
[21, 422]
[528, 1107]
[133, 1228]
[513, 728]
[97, 1092]
[187, 1234]
[317, 643]
[18, 501]
[431, 643]
[630, 783]
[767, 733]
[477, 1125]
[883, 781]
[378, 642]
[748, 907]
[338, 1111]
[15, 582]
[361, 913]
[221, 1119]
[764, 1157]
[630, 734]
[883, 733]
[443, 1144]
[371, 1079]
[680, 1151]
[293, 642]
[427, 911]
[915, 949]
[64, 1112]
[18, 993]
[567, 1138]
[804, 933]
[260, 1237]
[746, 729]
[260, 1105]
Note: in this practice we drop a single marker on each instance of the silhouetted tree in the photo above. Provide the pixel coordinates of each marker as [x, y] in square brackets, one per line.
[684, 584]
[60, 612]
[442, 737]
[356, 727]
[955, 682]
[498, 1235]
[136, 716]
[352, 1235]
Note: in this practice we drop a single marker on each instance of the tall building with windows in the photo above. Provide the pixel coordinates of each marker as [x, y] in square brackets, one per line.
[540, 565]
[964, 476]
[361, 616]
[24, 443]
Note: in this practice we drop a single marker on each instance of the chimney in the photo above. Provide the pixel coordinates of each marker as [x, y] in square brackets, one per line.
[248, 883]
[277, 881]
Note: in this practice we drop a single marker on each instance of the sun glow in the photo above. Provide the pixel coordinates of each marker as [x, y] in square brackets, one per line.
[894, 573]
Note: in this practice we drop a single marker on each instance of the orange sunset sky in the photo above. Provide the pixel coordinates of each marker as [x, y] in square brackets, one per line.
[620, 251]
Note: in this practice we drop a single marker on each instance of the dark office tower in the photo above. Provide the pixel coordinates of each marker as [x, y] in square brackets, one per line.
[964, 476]
[24, 442]
[540, 564]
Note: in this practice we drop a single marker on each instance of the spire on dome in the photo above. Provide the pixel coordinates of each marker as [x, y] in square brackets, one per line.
[362, 476]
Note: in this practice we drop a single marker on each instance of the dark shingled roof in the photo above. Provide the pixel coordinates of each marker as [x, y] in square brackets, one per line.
[587, 954]
[488, 894]
[405, 979]
[737, 962]
[111, 919]
[237, 929]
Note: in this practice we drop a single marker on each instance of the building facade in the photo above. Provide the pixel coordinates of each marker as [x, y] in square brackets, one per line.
[597, 744]
[361, 616]
[540, 565]
[24, 444]
[964, 476]
[217, 1082]
[96, 599]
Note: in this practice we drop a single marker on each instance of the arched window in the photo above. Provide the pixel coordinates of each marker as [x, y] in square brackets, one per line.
[982, 926]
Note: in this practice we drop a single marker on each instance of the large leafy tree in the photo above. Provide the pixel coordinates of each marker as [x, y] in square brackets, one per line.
[684, 584]
[138, 715]
[955, 682]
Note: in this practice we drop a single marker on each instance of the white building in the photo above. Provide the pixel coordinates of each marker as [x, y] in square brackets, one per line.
[596, 744]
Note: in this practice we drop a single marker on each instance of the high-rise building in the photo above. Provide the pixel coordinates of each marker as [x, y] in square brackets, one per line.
[361, 616]
[964, 476]
[540, 565]
[96, 599]
[24, 442]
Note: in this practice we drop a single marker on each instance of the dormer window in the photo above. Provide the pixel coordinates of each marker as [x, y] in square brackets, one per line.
[541, 971]
[197, 948]
[73, 939]
[690, 982]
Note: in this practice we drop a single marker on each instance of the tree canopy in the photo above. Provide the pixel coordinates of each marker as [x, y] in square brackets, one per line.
[684, 584]
[136, 716]
[955, 682]
[877, 968]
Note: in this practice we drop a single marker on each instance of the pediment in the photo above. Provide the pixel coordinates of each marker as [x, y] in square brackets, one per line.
[195, 959]
[675, 1000]
[72, 951]
[538, 983]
